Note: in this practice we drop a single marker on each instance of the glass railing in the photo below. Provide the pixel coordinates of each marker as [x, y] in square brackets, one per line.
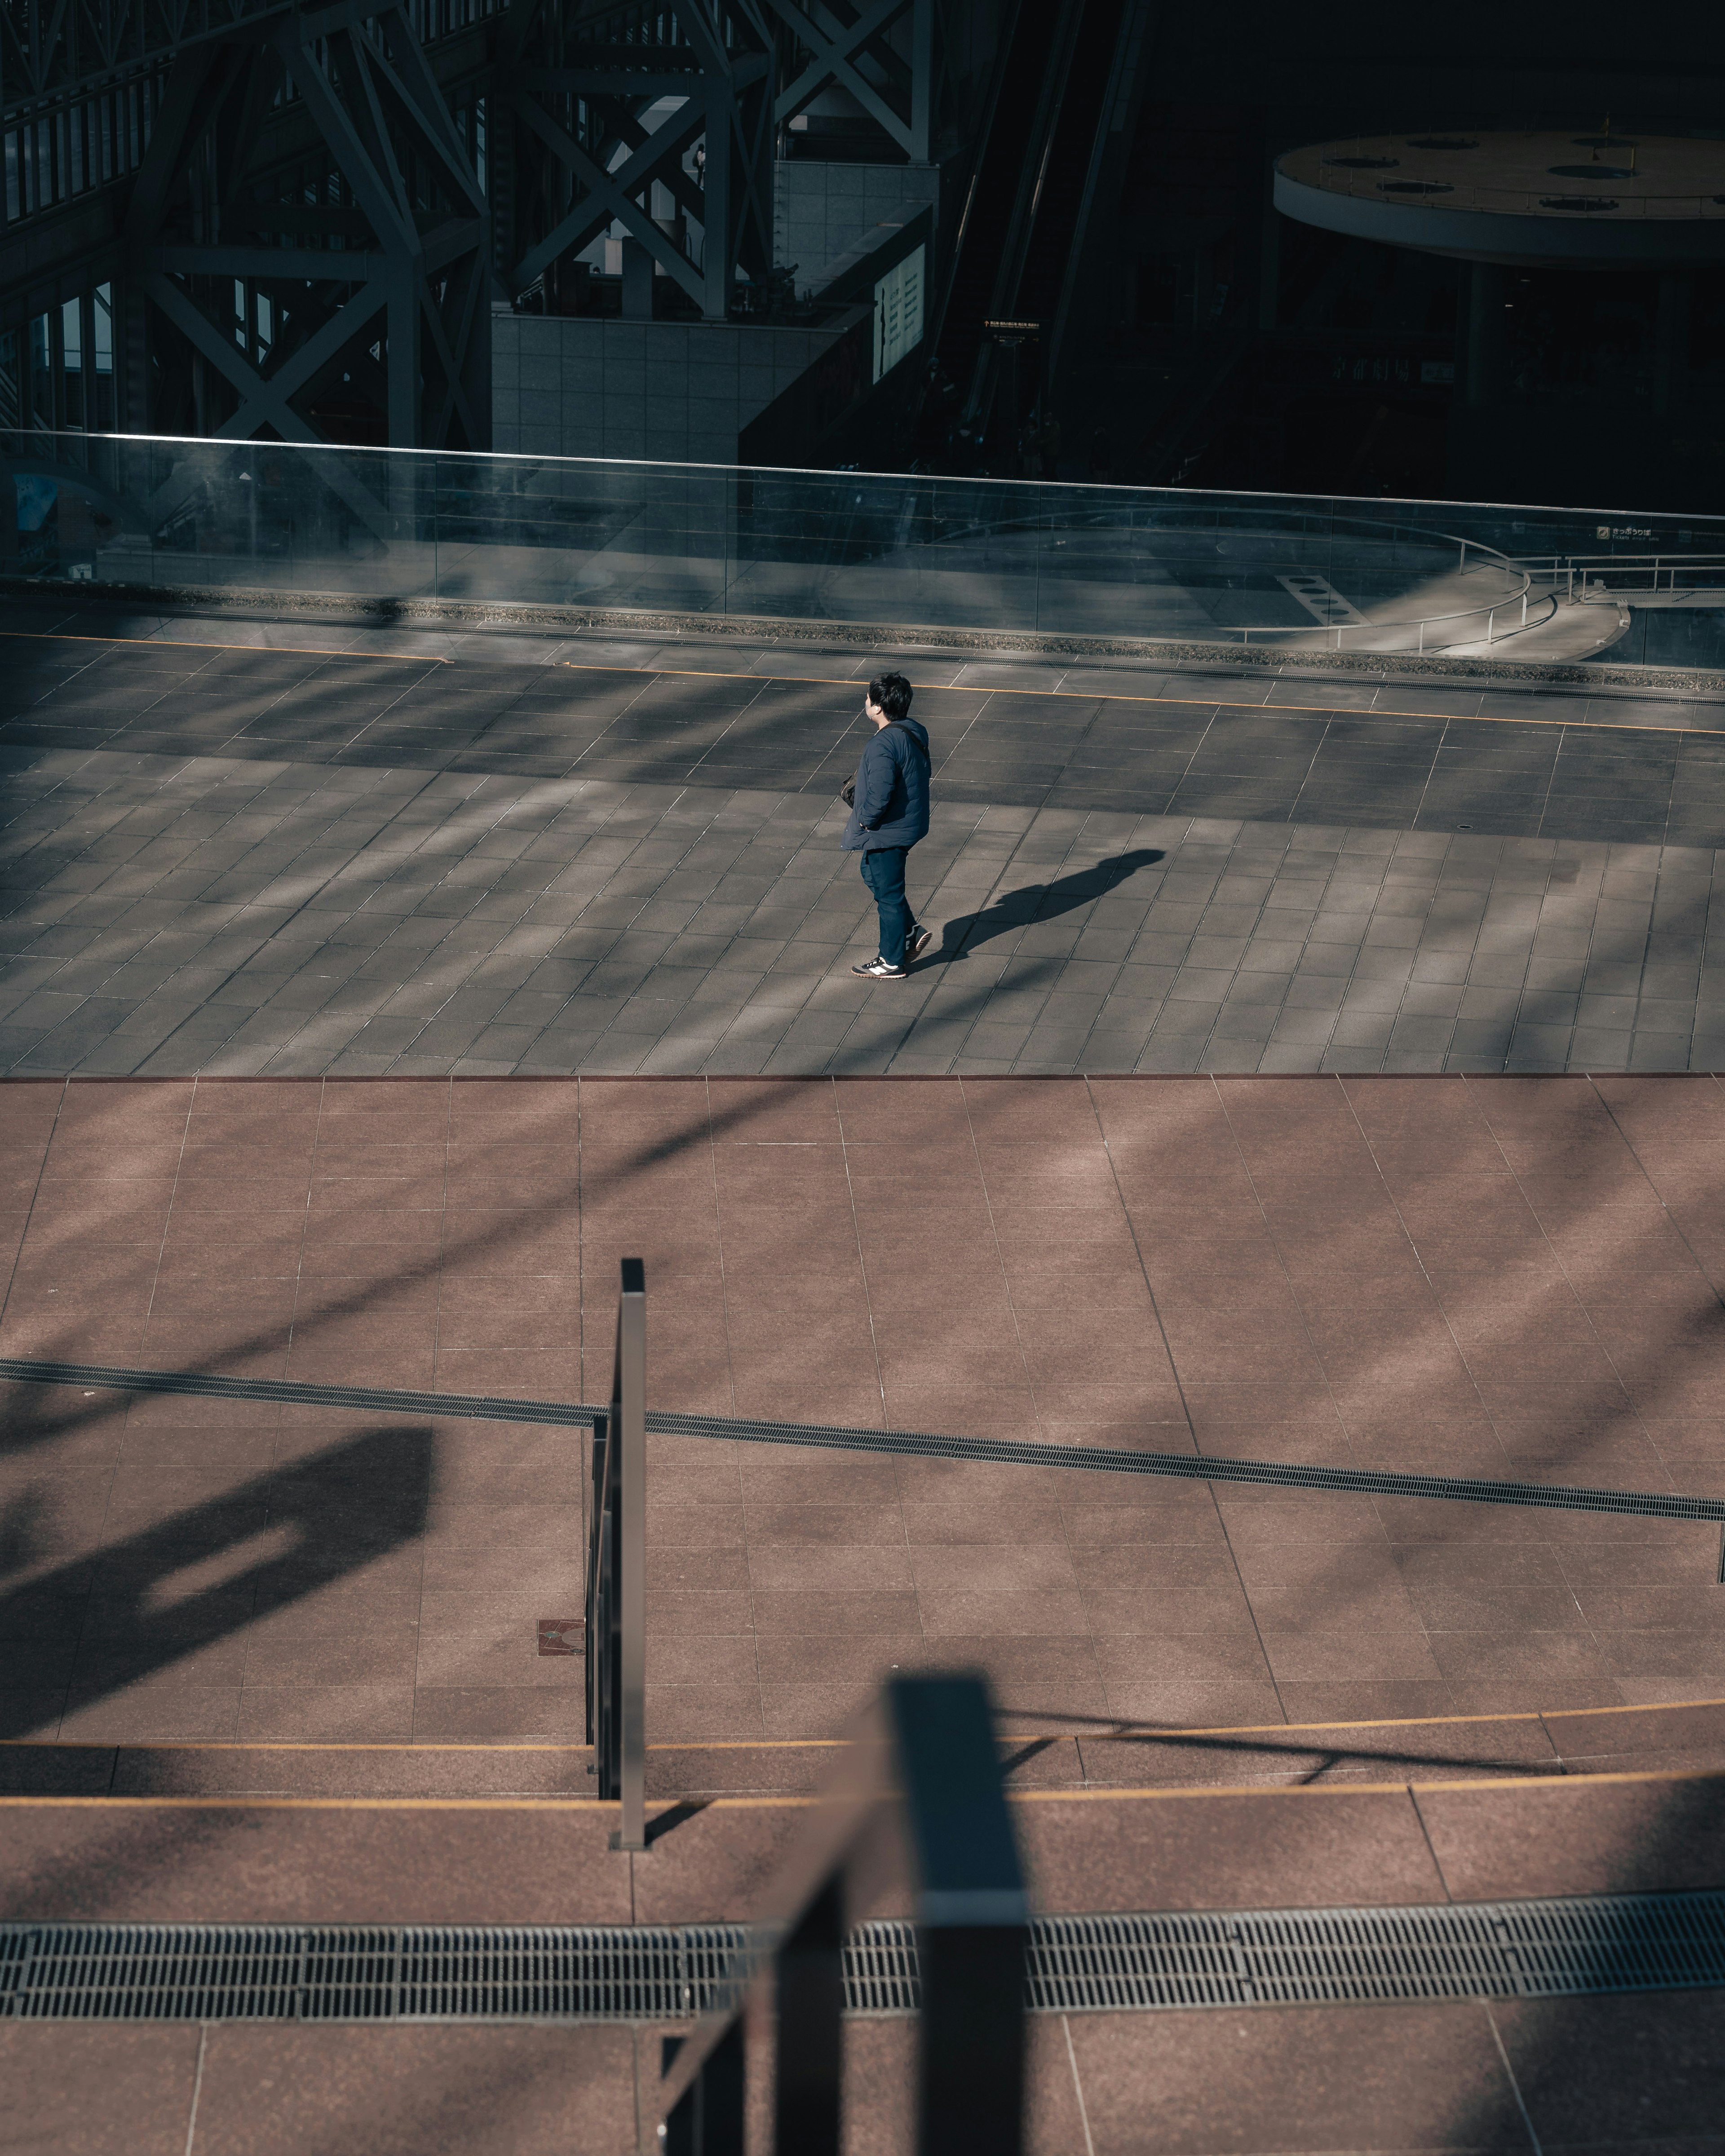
[902, 551]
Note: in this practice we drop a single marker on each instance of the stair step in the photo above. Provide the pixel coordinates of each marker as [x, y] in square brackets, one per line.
[1684, 1736]
[547, 1860]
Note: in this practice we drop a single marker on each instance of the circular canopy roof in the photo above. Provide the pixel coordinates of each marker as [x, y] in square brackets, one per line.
[1583, 199]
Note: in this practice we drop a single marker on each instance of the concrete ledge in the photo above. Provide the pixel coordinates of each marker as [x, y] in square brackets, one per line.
[470, 613]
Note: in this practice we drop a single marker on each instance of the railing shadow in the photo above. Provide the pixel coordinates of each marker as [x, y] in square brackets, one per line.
[153, 1601]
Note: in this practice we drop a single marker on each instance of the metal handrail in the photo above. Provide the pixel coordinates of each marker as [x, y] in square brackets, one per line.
[616, 1573]
[1568, 567]
[919, 1789]
[1421, 623]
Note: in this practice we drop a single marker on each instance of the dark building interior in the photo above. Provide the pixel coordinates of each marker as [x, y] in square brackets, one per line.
[1106, 287]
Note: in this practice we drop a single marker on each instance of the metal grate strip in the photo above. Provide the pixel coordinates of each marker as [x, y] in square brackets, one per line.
[1186, 1466]
[1545, 1949]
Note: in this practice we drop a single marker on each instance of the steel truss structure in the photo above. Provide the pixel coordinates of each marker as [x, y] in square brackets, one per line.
[261, 217]
[278, 291]
[582, 101]
[894, 86]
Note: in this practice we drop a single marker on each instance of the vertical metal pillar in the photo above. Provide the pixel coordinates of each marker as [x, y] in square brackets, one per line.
[921, 78]
[628, 1428]
[718, 244]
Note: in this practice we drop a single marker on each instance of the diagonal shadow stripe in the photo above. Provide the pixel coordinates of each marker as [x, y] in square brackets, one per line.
[1186, 1466]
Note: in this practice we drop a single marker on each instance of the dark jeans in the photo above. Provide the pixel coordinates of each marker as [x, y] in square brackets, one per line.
[883, 870]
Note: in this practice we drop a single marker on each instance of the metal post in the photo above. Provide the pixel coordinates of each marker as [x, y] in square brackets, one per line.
[972, 1918]
[628, 1425]
[598, 1612]
[1489, 619]
[1422, 636]
[939, 1769]
[809, 2053]
[709, 2121]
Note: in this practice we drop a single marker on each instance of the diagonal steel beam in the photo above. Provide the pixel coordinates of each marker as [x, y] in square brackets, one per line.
[408, 73]
[396, 233]
[231, 364]
[264, 399]
[834, 55]
[455, 398]
[605, 198]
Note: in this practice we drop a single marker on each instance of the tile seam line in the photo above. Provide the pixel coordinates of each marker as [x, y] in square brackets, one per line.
[982, 1174]
[1485, 1113]
[1430, 1285]
[305, 905]
[712, 1165]
[1090, 2146]
[648, 676]
[437, 1314]
[1515, 2086]
[196, 2089]
[125, 1417]
[63, 1083]
[1192, 816]
[862, 1267]
[1593, 1080]
[1215, 1085]
[1179, 1387]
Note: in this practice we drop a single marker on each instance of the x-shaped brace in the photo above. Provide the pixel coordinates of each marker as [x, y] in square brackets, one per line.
[836, 46]
[266, 401]
[610, 195]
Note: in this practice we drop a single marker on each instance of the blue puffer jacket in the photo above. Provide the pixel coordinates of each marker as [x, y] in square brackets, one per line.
[891, 790]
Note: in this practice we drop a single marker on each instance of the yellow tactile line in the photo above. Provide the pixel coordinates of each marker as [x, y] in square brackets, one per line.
[1125, 696]
[851, 682]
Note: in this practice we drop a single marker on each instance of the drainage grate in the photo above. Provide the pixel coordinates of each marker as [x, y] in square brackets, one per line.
[1551, 1949]
[1187, 1467]
[366, 1973]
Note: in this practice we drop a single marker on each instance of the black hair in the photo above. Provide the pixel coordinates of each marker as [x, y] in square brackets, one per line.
[891, 693]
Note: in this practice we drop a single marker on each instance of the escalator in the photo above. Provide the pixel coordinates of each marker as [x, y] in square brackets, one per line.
[1081, 117]
[1018, 231]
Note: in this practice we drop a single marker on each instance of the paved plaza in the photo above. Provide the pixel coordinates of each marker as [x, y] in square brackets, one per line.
[1313, 1073]
[1504, 1278]
[478, 855]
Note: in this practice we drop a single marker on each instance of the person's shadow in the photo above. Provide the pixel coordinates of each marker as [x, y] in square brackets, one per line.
[1039, 902]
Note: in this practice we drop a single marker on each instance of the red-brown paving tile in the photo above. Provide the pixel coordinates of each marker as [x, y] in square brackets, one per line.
[1279, 1849]
[1427, 2076]
[267, 2092]
[1634, 1836]
[1059, 1291]
[87, 2091]
[1625, 2073]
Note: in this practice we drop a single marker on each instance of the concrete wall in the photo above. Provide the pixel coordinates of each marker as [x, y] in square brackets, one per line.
[582, 387]
[826, 216]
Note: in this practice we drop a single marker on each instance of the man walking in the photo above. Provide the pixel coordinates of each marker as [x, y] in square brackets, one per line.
[889, 814]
